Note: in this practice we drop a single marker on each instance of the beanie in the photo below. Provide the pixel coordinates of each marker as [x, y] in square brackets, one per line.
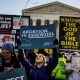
[8, 46]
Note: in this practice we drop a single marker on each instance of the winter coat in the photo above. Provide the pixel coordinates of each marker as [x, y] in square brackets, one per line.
[59, 71]
[42, 73]
[14, 63]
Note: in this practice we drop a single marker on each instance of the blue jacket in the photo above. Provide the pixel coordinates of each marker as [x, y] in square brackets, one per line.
[42, 73]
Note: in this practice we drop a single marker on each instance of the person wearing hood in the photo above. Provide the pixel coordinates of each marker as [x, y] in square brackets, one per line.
[40, 70]
[59, 71]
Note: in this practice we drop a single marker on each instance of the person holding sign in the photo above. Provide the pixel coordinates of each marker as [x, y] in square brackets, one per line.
[9, 61]
[41, 70]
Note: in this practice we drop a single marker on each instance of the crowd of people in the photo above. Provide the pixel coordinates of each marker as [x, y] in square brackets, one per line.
[38, 66]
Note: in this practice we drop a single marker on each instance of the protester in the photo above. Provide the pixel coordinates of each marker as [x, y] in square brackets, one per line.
[68, 69]
[9, 60]
[59, 71]
[41, 70]
[73, 70]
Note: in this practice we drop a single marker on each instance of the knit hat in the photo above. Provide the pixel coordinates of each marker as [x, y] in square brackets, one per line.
[8, 46]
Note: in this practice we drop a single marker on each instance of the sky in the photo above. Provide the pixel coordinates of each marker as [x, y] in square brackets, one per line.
[15, 7]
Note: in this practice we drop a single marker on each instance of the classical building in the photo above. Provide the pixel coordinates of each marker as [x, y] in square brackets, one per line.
[50, 13]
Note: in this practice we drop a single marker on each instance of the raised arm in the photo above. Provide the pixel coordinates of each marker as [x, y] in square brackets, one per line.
[24, 61]
[54, 61]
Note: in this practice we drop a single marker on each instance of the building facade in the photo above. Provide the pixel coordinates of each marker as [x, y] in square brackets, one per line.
[50, 13]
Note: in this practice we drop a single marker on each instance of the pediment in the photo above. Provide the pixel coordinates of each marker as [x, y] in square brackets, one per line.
[55, 7]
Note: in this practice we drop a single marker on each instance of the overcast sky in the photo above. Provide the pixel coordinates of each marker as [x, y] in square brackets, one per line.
[14, 7]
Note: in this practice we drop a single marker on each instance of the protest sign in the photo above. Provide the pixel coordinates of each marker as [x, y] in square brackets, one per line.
[33, 37]
[69, 31]
[7, 38]
[10, 24]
